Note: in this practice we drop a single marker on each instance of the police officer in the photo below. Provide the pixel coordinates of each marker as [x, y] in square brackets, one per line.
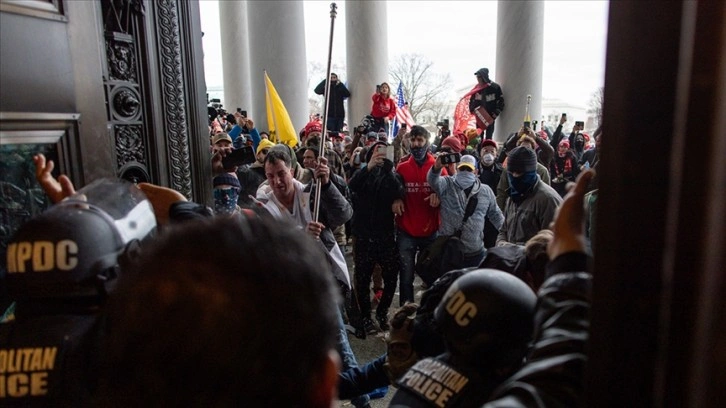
[61, 267]
[486, 320]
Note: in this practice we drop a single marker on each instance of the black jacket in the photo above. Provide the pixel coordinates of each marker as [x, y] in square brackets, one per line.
[60, 363]
[553, 373]
[338, 93]
[373, 194]
[491, 175]
[491, 98]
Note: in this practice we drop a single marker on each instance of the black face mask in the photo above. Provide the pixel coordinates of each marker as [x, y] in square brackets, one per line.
[520, 186]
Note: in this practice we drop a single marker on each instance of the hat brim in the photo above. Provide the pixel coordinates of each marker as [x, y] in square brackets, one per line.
[467, 165]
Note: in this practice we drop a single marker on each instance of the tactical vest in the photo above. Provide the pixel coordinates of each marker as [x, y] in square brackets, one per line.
[432, 382]
[49, 361]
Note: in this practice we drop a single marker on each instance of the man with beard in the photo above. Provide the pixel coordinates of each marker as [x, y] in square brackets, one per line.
[416, 208]
[531, 204]
[375, 188]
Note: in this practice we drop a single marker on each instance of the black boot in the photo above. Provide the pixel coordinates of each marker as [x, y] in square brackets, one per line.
[368, 326]
[383, 321]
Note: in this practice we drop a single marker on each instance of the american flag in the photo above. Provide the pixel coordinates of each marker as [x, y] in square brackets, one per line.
[402, 113]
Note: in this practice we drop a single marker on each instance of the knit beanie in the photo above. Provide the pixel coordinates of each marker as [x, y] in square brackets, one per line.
[227, 179]
[454, 143]
[264, 144]
[521, 160]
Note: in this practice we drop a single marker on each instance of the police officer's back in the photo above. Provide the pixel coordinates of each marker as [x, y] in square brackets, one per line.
[61, 266]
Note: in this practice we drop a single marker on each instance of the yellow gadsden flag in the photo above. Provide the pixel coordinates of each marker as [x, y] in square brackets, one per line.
[281, 129]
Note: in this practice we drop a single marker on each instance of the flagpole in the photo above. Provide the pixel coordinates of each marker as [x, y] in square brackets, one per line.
[268, 105]
[333, 14]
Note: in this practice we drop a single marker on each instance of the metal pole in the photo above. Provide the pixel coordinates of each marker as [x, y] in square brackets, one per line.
[333, 14]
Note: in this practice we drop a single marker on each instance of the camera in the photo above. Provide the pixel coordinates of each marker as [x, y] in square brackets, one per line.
[443, 123]
[239, 157]
[450, 158]
[366, 125]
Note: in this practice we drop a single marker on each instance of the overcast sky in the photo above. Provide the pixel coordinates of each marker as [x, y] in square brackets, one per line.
[453, 34]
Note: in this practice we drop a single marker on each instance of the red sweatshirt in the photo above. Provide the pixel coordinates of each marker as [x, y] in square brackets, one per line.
[419, 219]
[383, 106]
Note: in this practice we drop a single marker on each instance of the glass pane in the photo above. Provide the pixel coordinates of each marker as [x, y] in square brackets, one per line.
[21, 197]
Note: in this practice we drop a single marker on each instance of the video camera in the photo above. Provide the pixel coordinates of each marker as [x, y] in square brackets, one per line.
[444, 125]
[366, 125]
[215, 109]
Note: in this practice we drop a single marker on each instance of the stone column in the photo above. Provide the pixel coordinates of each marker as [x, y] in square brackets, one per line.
[233, 27]
[277, 44]
[366, 55]
[520, 44]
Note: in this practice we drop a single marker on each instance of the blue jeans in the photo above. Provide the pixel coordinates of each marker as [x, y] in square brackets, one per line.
[349, 361]
[408, 246]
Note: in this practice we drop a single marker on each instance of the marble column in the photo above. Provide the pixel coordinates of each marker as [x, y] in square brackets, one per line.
[520, 44]
[233, 28]
[277, 44]
[366, 55]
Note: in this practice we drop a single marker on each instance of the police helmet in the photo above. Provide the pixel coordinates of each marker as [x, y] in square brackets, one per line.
[72, 249]
[487, 315]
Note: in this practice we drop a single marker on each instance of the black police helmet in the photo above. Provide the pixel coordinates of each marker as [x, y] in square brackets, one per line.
[72, 250]
[487, 315]
[65, 252]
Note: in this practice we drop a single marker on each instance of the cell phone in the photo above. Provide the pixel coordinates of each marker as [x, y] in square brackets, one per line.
[239, 110]
[404, 126]
[580, 123]
[389, 153]
[239, 157]
[564, 115]
[243, 112]
[450, 158]
[527, 125]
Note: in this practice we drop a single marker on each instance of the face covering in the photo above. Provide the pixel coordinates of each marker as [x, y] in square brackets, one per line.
[465, 178]
[225, 200]
[419, 153]
[487, 159]
[356, 158]
[520, 186]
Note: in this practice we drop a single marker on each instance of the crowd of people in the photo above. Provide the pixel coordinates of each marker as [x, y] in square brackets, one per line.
[192, 320]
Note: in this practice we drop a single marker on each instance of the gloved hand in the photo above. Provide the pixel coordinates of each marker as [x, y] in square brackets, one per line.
[401, 356]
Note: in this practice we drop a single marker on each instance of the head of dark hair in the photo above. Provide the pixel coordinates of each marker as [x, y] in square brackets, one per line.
[314, 149]
[278, 154]
[210, 317]
[417, 130]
